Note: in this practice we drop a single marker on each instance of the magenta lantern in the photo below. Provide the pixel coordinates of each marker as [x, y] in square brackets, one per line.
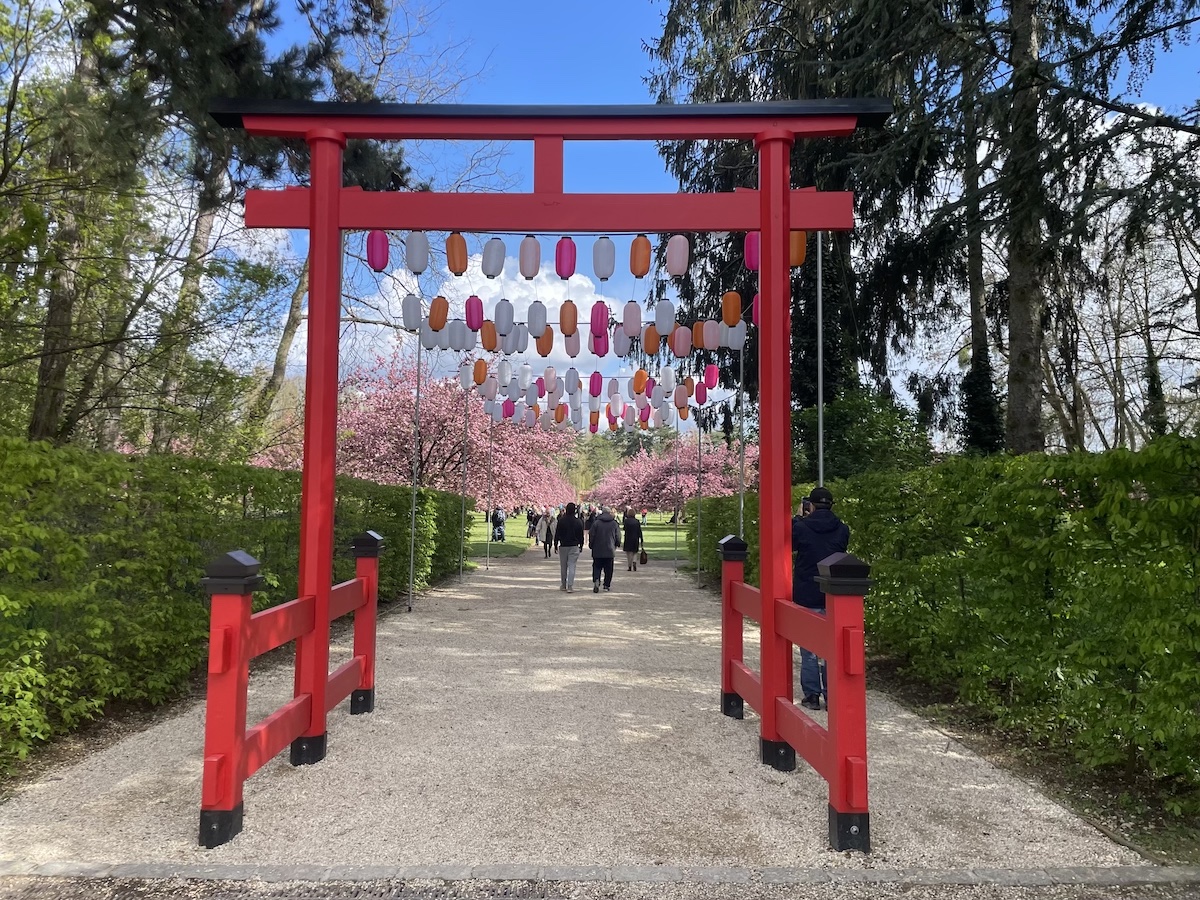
[509, 408]
[755, 316]
[595, 384]
[541, 386]
[701, 393]
[644, 414]
[750, 250]
[711, 374]
[474, 313]
[593, 428]
[377, 250]
[599, 318]
[564, 258]
[600, 345]
[650, 383]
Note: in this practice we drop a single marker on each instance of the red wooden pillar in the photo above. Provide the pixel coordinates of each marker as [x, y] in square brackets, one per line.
[733, 552]
[775, 441]
[320, 430]
[844, 580]
[230, 581]
[366, 548]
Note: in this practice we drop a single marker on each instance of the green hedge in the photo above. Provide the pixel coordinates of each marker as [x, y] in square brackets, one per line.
[101, 557]
[1062, 593]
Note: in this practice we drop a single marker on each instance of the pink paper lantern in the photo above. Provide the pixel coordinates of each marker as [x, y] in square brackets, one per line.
[599, 318]
[644, 414]
[681, 341]
[377, 250]
[701, 393]
[541, 386]
[750, 250]
[600, 345]
[509, 409]
[564, 258]
[474, 313]
[595, 384]
[593, 428]
[650, 383]
[711, 375]
[755, 314]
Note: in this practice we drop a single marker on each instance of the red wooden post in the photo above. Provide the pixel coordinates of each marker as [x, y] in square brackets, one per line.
[320, 431]
[844, 580]
[366, 548]
[733, 552]
[775, 439]
[230, 582]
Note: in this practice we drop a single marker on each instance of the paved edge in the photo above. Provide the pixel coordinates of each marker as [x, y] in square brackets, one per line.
[1108, 876]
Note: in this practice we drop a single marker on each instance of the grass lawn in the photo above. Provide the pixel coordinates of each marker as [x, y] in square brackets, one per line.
[659, 539]
[514, 530]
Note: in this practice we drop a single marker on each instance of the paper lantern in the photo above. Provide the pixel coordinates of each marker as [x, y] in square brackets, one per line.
[536, 319]
[599, 320]
[540, 384]
[600, 345]
[572, 344]
[657, 396]
[664, 316]
[377, 250]
[410, 312]
[525, 376]
[711, 375]
[750, 251]
[690, 384]
[650, 382]
[576, 400]
[731, 308]
[503, 317]
[439, 308]
[698, 336]
[701, 392]
[614, 388]
[514, 388]
[551, 378]
[656, 419]
[497, 412]
[531, 394]
[504, 371]
[594, 403]
[568, 318]
[522, 333]
[458, 335]
[466, 375]
[545, 344]
[651, 339]
[564, 258]
[645, 412]
[429, 338]
[491, 387]
[472, 340]
[595, 384]
[416, 252]
[640, 377]
[572, 380]
[480, 371]
[631, 319]
[487, 335]
[509, 343]
[754, 306]
[560, 413]
[530, 418]
[684, 412]
[797, 248]
[639, 256]
[530, 257]
[723, 335]
[604, 258]
[677, 255]
[493, 257]
[456, 253]
[620, 342]
[681, 341]
[474, 313]
[680, 396]
[442, 338]
[737, 336]
[712, 334]
[667, 377]
[509, 408]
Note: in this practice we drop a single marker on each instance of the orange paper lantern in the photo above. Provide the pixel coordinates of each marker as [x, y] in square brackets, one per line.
[798, 248]
[480, 371]
[545, 343]
[698, 335]
[568, 318]
[640, 377]
[439, 309]
[683, 413]
[488, 337]
[456, 253]
[731, 307]
[594, 417]
[639, 256]
[690, 384]
[652, 339]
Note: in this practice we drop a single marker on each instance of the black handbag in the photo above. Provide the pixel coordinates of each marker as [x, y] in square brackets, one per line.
[643, 558]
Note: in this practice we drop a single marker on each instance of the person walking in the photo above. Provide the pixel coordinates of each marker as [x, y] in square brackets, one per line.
[633, 538]
[570, 544]
[604, 538]
[814, 537]
[545, 530]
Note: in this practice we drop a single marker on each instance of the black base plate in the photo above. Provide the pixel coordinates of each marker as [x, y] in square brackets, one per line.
[219, 826]
[362, 701]
[308, 750]
[849, 831]
[731, 705]
[778, 755]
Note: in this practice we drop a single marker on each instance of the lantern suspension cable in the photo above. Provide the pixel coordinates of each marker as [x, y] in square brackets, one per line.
[678, 497]
[412, 522]
[820, 368]
[462, 531]
[487, 563]
[742, 442]
[699, 483]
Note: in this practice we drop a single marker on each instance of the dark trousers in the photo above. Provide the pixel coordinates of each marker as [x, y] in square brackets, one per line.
[602, 567]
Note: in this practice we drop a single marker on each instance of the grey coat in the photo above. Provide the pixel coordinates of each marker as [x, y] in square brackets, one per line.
[604, 537]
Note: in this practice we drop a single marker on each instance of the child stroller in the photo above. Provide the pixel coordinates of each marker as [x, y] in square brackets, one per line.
[498, 532]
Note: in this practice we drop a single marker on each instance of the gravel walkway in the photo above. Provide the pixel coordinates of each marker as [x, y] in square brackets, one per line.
[518, 725]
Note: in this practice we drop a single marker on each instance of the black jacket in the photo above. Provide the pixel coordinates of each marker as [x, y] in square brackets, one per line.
[570, 532]
[814, 537]
[633, 535]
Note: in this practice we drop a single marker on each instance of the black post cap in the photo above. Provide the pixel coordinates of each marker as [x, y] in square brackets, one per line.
[843, 573]
[732, 548]
[369, 543]
[234, 573]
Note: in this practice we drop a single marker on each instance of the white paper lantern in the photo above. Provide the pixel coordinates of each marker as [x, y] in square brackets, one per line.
[531, 396]
[630, 416]
[416, 252]
[497, 412]
[519, 410]
[630, 390]
[664, 317]
[504, 371]
[511, 342]
[572, 380]
[504, 317]
[546, 421]
[604, 258]
[666, 377]
[641, 401]
[550, 377]
[410, 309]
[594, 404]
[591, 342]
[443, 339]
[677, 255]
[487, 405]
[723, 334]
[522, 337]
[712, 333]
[458, 334]
[737, 335]
[571, 342]
[514, 388]
[620, 342]
[656, 418]
[491, 387]
[493, 257]
[575, 400]
[471, 341]
[525, 375]
[631, 319]
[537, 319]
[614, 388]
[530, 257]
[428, 335]
[466, 374]
[657, 395]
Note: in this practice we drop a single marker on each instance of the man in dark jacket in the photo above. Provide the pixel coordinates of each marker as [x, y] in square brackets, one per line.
[604, 538]
[569, 538]
[633, 538]
[814, 537]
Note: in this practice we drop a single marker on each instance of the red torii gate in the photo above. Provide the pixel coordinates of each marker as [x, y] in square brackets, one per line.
[327, 208]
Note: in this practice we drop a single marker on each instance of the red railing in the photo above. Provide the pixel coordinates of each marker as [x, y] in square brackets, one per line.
[837, 752]
[232, 753]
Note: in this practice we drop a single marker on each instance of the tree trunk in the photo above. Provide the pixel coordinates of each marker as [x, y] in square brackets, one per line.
[270, 390]
[1023, 186]
[51, 394]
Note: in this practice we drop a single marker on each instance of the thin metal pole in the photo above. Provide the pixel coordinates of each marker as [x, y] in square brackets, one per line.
[487, 563]
[699, 491]
[678, 497]
[742, 440]
[412, 525]
[462, 531]
[820, 368]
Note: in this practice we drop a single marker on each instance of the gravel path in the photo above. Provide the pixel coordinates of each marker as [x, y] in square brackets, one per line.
[519, 725]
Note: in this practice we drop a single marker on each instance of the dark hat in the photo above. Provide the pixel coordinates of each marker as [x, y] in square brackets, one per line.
[820, 496]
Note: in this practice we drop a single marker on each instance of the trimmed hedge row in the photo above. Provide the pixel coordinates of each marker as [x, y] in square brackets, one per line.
[1061, 593]
[101, 557]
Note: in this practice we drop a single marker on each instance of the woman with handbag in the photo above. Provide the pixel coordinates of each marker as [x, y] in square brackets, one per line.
[633, 538]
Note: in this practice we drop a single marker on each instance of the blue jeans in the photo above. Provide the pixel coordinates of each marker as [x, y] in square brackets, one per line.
[812, 671]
